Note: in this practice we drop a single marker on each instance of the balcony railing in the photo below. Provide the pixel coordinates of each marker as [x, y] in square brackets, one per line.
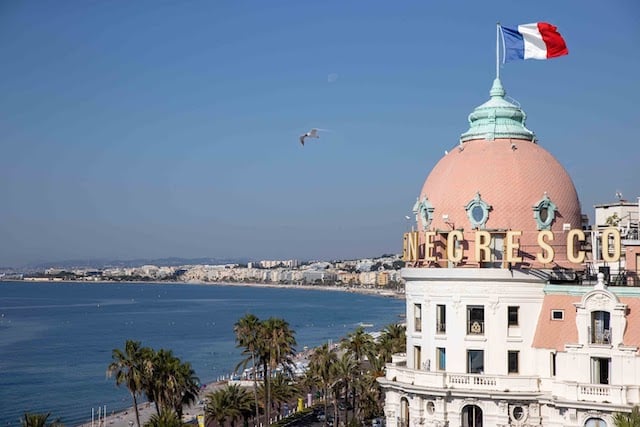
[441, 328]
[601, 393]
[599, 336]
[488, 383]
[418, 324]
[562, 390]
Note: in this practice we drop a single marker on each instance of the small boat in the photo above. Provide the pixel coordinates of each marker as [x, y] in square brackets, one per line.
[366, 325]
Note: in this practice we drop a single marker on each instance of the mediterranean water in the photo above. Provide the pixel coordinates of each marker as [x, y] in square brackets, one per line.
[56, 339]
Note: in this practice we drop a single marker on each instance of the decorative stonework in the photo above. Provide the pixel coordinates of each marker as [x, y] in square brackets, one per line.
[455, 301]
[494, 303]
[544, 212]
[424, 212]
[478, 212]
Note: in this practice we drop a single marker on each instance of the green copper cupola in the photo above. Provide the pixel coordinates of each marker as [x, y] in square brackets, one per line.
[497, 118]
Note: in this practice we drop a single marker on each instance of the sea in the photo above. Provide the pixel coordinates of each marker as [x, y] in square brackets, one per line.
[57, 338]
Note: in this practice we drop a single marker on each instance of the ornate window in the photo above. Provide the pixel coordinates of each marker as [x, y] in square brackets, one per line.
[544, 212]
[518, 413]
[475, 320]
[424, 212]
[477, 212]
[431, 407]
[600, 328]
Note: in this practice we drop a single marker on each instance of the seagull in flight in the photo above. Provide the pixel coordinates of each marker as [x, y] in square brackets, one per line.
[313, 133]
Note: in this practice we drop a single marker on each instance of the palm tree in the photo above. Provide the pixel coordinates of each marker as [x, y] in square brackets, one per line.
[39, 420]
[359, 344]
[369, 397]
[187, 388]
[232, 402]
[397, 333]
[346, 371]
[282, 390]
[166, 418]
[391, 341]
[631, 419]
[162, 384]
[239, 403]
[320, 367]
[128, 367]
[216, 407]
[276, 349]
[307, 383]
[170, 383]
[247, 331]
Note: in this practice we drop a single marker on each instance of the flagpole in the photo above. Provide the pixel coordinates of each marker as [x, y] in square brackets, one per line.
[498, 50]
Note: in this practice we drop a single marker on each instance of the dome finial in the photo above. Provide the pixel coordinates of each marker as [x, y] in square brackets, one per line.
[496, 89]
[497, 118]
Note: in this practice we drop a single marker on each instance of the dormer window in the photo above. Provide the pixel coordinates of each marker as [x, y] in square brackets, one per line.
[600, 329]
[424, 212]
[477, 212]
[544, 212]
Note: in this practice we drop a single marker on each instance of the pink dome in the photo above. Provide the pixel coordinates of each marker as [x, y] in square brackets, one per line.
[511, 176]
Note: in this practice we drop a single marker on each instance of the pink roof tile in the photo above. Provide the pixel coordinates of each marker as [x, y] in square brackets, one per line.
[554, 334]
[512, 181]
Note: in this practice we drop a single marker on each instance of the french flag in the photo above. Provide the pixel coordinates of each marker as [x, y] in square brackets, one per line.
[539, 40]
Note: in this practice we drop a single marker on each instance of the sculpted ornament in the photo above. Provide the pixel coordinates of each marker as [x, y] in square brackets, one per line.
[494, 303]
[455, 301]
[424, 212]
[598, 301]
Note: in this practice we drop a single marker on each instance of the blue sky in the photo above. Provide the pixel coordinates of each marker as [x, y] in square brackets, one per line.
[144, 129]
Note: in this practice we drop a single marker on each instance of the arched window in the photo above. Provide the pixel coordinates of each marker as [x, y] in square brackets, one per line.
[595, 422]
[471, 416]
[600, 327]
[544, 212]
[404, 413]
[477, 212]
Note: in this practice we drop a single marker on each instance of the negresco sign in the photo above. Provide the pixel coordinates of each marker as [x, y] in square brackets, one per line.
[609, 239]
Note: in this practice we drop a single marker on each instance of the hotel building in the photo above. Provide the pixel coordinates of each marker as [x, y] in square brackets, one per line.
[513, 314]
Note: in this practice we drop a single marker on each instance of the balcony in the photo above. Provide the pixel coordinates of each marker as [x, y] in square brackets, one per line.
[559, 390]
[598, 393]
[445, 380]
[599, 336]
[441, 328]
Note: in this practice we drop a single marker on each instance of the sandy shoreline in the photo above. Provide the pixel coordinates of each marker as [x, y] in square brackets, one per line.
[127, 417]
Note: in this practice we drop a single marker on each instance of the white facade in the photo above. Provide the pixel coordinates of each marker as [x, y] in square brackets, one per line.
[476, 352]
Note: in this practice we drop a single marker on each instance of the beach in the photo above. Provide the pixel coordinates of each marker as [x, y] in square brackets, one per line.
[127, 418]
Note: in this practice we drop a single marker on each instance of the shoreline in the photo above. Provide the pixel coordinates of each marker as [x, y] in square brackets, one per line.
[391, 293]
[127, 417]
